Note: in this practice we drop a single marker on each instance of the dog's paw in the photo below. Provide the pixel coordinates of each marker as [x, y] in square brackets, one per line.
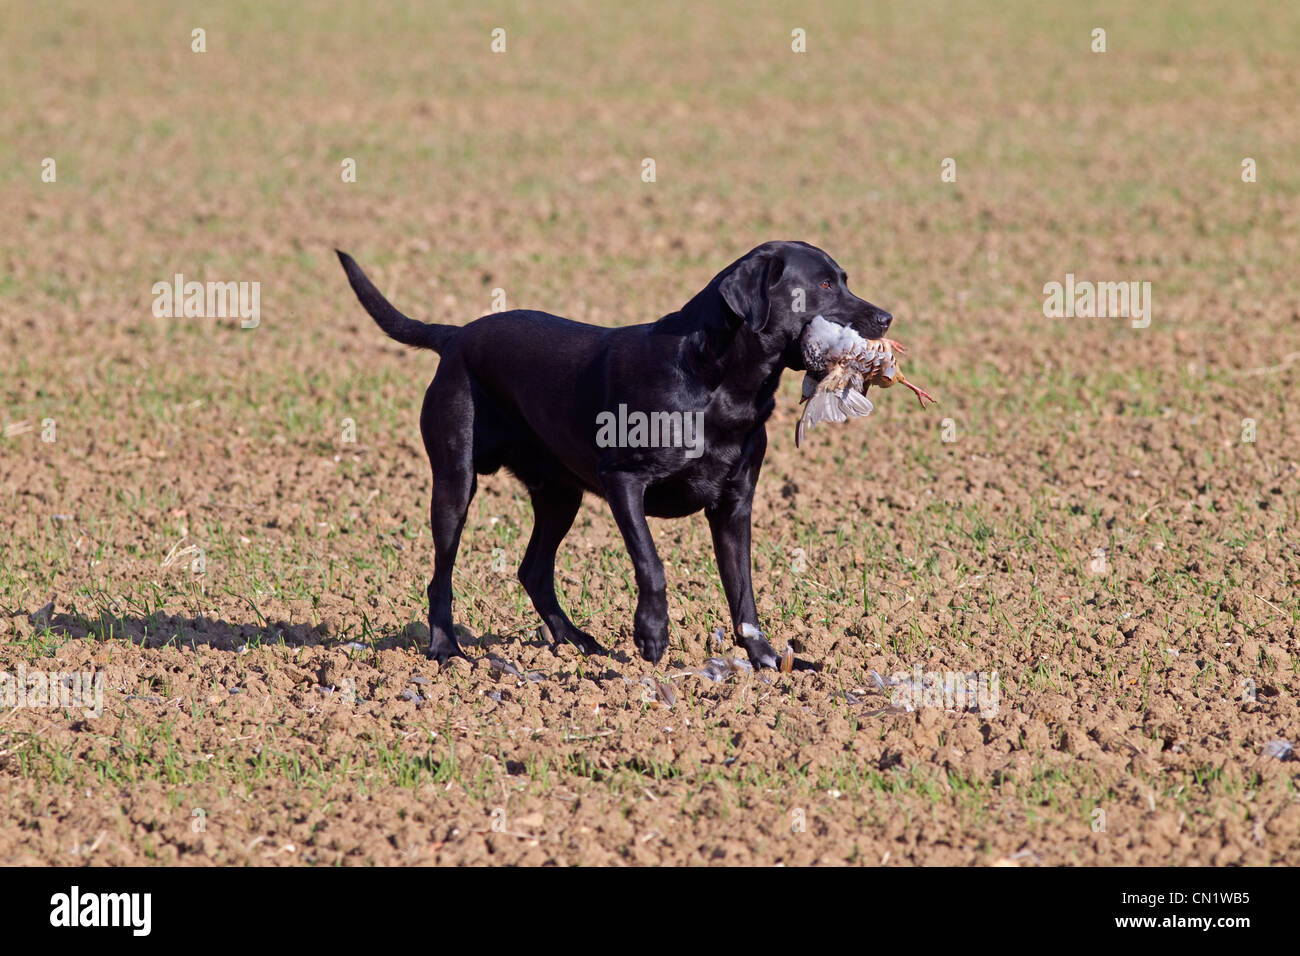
[652, 651]
[762, 658]
[759, 650]
[651, 642]
[444, 649]
[650, 626]
[583, 641]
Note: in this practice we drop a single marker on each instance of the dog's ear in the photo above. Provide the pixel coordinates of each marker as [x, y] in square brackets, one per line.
[745, 290]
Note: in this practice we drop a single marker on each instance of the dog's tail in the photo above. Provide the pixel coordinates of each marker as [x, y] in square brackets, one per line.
[424, 335]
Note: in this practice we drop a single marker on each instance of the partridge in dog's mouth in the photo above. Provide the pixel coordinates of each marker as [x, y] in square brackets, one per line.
[841, 365]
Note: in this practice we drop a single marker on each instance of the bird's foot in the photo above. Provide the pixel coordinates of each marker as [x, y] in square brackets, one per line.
[921, 394]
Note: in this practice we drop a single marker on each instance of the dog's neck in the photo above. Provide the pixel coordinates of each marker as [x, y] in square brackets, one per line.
[742, 368]
[748, 367]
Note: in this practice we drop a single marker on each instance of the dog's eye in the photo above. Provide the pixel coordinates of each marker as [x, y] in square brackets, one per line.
[826, 283]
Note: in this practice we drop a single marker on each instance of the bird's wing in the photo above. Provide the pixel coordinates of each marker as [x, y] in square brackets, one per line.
[856, 405]
[831, 406]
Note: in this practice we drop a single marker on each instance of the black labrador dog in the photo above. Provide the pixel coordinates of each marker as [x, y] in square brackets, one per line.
[661, 419]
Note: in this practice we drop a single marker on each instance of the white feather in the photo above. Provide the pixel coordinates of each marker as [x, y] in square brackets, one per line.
[856, 405]
[835, 340]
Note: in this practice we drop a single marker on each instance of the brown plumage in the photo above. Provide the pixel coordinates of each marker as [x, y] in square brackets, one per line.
[841, 367]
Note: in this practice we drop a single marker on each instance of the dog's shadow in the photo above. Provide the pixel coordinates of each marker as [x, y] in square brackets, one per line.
[159, 630]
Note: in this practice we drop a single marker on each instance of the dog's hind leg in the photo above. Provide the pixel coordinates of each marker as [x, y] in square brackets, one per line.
[452, 490]
[554, 508]
[447, 424]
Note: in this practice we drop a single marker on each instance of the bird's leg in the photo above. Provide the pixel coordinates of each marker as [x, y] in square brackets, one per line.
[921, 394]
[895, 346]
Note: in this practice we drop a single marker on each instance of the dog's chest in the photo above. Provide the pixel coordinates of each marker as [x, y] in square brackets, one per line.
[700, 483]
[682, 495]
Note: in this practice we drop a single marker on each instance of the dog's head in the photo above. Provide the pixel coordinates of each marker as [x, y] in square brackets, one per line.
[777, 288]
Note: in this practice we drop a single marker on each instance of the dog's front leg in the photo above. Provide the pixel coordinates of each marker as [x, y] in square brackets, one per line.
[729, 523]
[626, 496]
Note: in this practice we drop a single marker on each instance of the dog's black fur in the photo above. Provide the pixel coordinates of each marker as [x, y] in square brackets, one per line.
[524, 389]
